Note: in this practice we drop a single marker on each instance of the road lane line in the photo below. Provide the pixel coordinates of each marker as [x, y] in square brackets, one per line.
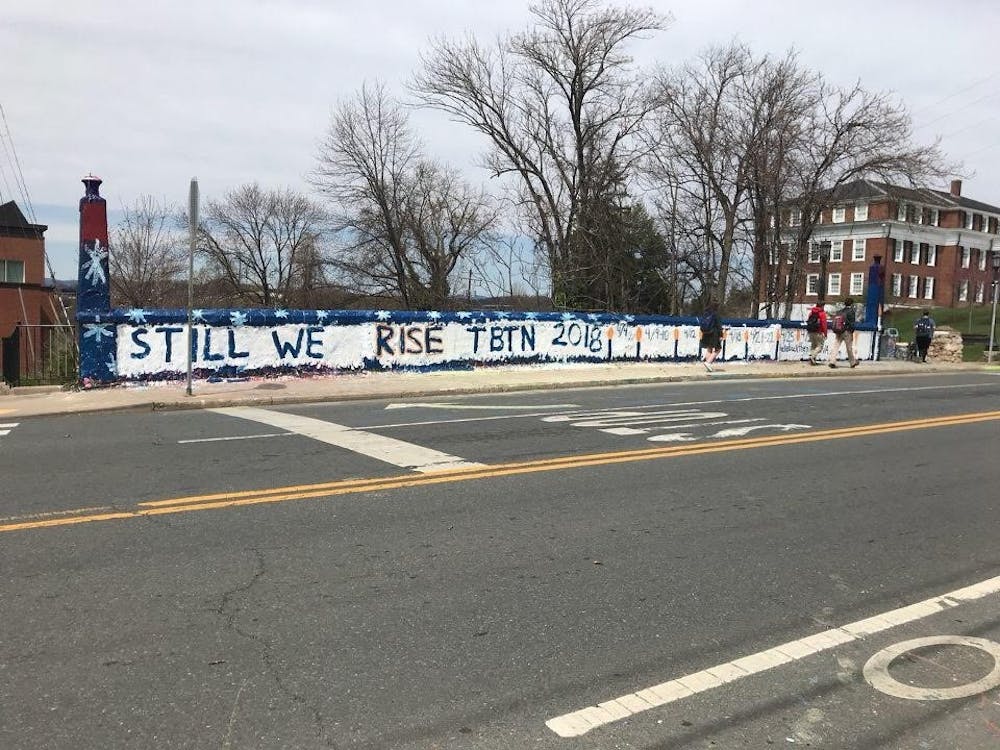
[354, 486]
[389, 450]
[582, 721]
[235, 437]
[53, 514]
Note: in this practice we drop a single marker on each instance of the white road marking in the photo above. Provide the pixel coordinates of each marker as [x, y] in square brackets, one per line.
[647, 430]
[389, 450]
[442, 405]
[740, 431]
[6, 428]
[825, 394]
[582, 721]
[236, 437]
[876, 669]
[4, 432]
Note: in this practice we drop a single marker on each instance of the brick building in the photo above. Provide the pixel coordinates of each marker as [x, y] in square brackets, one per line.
[26, 302]
[934, 245]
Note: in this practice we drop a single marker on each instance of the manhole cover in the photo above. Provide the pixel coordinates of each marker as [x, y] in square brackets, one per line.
[941, 667]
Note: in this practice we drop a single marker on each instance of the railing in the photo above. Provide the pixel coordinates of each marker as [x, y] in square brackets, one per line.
[40, 355]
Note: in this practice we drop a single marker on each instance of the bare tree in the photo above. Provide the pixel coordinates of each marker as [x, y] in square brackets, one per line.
[265, 245]
[407, 220]
[560, 105]
[148, 253]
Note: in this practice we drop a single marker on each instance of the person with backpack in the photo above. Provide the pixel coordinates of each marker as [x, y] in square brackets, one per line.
[711, 334]
[843, 332]
[923, 332]
[816, 325]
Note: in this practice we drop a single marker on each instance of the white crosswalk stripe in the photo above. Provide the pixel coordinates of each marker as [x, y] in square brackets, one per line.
[6, 428]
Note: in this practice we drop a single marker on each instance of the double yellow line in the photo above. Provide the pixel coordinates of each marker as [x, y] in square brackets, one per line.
[355, 486]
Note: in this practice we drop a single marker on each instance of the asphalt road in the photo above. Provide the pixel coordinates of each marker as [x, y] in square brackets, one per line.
[475, 572]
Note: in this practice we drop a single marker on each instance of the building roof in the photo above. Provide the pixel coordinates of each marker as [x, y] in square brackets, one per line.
[14, 224]
[870, 189]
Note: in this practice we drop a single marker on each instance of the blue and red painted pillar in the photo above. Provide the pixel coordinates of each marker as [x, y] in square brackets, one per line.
[98, 339]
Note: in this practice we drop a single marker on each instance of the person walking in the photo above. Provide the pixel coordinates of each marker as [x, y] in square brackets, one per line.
[711, 334]
[843, 333]
[923, 332]
[816, 325]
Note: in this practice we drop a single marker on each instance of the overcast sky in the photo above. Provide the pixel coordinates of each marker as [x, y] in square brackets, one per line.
[148, 95]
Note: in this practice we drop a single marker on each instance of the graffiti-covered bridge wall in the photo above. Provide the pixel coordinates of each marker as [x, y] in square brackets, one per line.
[151, 345]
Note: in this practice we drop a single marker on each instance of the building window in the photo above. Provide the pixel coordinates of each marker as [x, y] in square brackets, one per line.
[966, 257]
[980, 292]
[963, 290]
[915, 253]
[857, 283]
[901, 212]
[12, 271]
[968, 220]
[932, 255]
[977, 222]
[982, 260]
[858, 253]
[861, 212]
[812, 284]
[911, 290]
[897, 284]
[837, 251]
[833, 285]
[794, 217]
[814, 252]
[929, 287]
[897, 252]
[839, 214]
[934, 217]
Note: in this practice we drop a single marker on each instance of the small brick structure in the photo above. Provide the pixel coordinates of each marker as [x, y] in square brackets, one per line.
[946, 346]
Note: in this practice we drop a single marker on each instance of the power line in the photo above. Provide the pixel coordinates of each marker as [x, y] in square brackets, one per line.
[17, 163]
[952, 112]
[955, 93]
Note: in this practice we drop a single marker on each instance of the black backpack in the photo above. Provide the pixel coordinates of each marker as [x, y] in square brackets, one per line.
[812, 322]
[708, 322]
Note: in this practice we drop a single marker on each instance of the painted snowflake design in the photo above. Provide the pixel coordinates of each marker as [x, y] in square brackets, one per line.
[567, 316]
[629, 318]
[93, 270]
[281, 313]
[322, 315]
[592, 316]
[434, 315]
[237, 318]
[463, 315]
[112, 365]
[503, 315]
[137, 315]
[383, 315]
[198, 315]
[97, 331]
[531, 315]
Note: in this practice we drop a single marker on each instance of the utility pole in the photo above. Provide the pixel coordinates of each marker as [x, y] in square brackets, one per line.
[995, 262]
[192, 236]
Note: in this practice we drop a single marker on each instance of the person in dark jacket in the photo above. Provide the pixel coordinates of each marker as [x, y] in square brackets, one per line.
[923, 332]
[843, 333]
[711, 334]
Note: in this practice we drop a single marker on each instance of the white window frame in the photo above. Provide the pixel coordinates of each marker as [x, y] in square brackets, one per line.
[968, 219]
[855, 255]
[963, 290]
[911, 286]
[794, 217]
[833, 285]
[6, 267]
[839, 215]
[814, 252]
[932, 255]
[929, 287]
[836, 251]
[915, 253]
[898, 251]
[982, 260]
[980, 292]
[897, 285]
[857, 283]
[935, 217]
[918, 214]
[901, 212]
[966, 257]
[812, 281]
[861, 212]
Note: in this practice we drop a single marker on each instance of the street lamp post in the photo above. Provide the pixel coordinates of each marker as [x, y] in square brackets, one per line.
[995, 260]
[824, 257]
[192, 239]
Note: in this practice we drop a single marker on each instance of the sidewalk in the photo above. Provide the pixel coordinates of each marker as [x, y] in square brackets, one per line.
[26, 402]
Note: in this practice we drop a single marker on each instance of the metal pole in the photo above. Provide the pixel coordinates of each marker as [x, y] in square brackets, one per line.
[192, 235]
[996, 290]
